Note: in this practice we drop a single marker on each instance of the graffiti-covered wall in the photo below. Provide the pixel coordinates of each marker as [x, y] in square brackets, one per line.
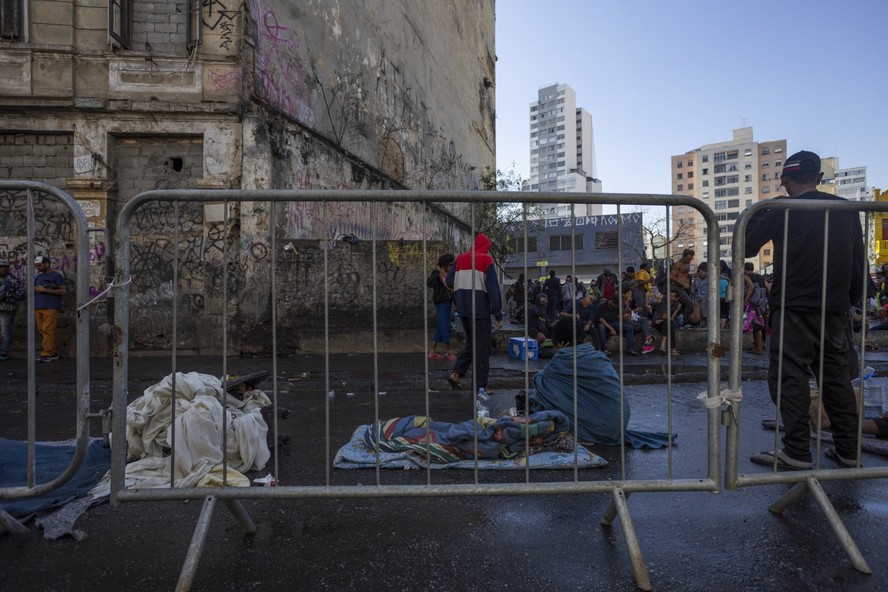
[250, 94]
[405, 85]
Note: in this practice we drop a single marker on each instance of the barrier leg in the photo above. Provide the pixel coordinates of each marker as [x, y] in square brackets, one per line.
[789, 498]
[854, 554]
[11, 524]
[621, 508]
[240, 515]
[610, 514]
[189, 568]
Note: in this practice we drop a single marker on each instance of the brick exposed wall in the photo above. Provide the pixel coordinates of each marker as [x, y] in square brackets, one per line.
[160, 27]
[150, 163]
[37, 157]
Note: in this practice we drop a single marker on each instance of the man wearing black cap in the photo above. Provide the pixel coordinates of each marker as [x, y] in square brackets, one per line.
[799, 311]
[49, 287]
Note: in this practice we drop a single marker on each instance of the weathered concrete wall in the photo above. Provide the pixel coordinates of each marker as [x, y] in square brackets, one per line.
[283, 157]
[164, 162]
[405, 85]
[278, 95]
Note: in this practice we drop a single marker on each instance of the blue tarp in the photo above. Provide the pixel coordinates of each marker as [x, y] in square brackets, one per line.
[598, 398]
[50, 460]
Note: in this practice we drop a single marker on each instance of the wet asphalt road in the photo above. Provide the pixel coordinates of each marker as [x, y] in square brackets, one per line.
[690, 541]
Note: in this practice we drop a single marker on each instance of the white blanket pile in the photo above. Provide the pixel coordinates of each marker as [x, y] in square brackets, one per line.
[198, 434]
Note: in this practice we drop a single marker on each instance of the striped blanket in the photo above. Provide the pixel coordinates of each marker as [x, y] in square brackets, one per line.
[504, 437]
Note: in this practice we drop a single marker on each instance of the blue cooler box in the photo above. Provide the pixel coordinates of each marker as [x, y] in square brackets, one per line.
[524, 349]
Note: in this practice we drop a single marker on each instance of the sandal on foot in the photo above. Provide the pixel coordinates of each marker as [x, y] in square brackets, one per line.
[846, 463]
[784, 461]
[455, 384]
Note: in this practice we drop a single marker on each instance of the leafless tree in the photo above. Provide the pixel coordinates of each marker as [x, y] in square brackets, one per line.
[660, 231]
[503, 222]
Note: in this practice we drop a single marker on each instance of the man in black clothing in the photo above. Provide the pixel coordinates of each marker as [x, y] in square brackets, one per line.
[552, 290]
[538, 325]
[584, 314]
[608, 322]
[517, 293]
[800, 311]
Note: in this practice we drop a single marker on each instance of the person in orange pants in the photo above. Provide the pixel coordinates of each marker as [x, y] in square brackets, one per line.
[49, 287]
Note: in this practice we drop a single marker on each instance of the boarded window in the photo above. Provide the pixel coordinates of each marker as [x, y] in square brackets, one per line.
[11, 19]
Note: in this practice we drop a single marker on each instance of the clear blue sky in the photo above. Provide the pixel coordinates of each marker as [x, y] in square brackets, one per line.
[661, 78]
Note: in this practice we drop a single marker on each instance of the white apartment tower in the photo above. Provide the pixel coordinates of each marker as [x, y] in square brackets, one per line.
[851, 184]
[562, 149]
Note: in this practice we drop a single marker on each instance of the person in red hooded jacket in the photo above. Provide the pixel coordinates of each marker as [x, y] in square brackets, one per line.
[476, 292]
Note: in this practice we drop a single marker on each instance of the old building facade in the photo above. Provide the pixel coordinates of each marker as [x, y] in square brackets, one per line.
[107, 99]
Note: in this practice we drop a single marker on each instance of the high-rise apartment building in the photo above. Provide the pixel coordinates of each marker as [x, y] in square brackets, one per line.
[562, 149]
[727, 176]
[851, 184]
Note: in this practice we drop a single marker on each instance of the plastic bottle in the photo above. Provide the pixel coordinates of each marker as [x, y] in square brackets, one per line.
[872, 394]
[481, 406]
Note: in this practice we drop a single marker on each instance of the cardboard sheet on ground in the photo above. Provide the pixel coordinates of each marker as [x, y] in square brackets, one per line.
[405, 452]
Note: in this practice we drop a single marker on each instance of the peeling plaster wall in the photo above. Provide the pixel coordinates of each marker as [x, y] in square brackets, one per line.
[383, 78]
[281, 156]
[321, 94]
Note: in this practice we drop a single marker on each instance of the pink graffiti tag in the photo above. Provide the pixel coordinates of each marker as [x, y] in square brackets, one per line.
[283, 80]
[225, 80]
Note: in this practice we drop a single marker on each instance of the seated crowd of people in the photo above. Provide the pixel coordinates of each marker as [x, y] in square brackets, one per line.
[631, 307]
[634, 307]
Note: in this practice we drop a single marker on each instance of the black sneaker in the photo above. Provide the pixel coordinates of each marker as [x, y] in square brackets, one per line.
[48, 358]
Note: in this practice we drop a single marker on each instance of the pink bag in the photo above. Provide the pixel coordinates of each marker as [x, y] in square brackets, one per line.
[751, 315]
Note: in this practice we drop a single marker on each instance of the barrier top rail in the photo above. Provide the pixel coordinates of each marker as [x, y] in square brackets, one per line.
[351, 195]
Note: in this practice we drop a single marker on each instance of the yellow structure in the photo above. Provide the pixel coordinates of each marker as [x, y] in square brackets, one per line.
[881, 225]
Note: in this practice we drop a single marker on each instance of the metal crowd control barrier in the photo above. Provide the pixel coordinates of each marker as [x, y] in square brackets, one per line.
[803, 480]
[170, 200]
[17, 193]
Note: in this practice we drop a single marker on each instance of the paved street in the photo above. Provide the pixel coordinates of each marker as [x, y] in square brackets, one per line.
[690, 541]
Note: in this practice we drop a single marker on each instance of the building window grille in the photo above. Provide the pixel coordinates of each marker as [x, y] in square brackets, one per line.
[562, 242]
[515, 244]
[607, 240]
